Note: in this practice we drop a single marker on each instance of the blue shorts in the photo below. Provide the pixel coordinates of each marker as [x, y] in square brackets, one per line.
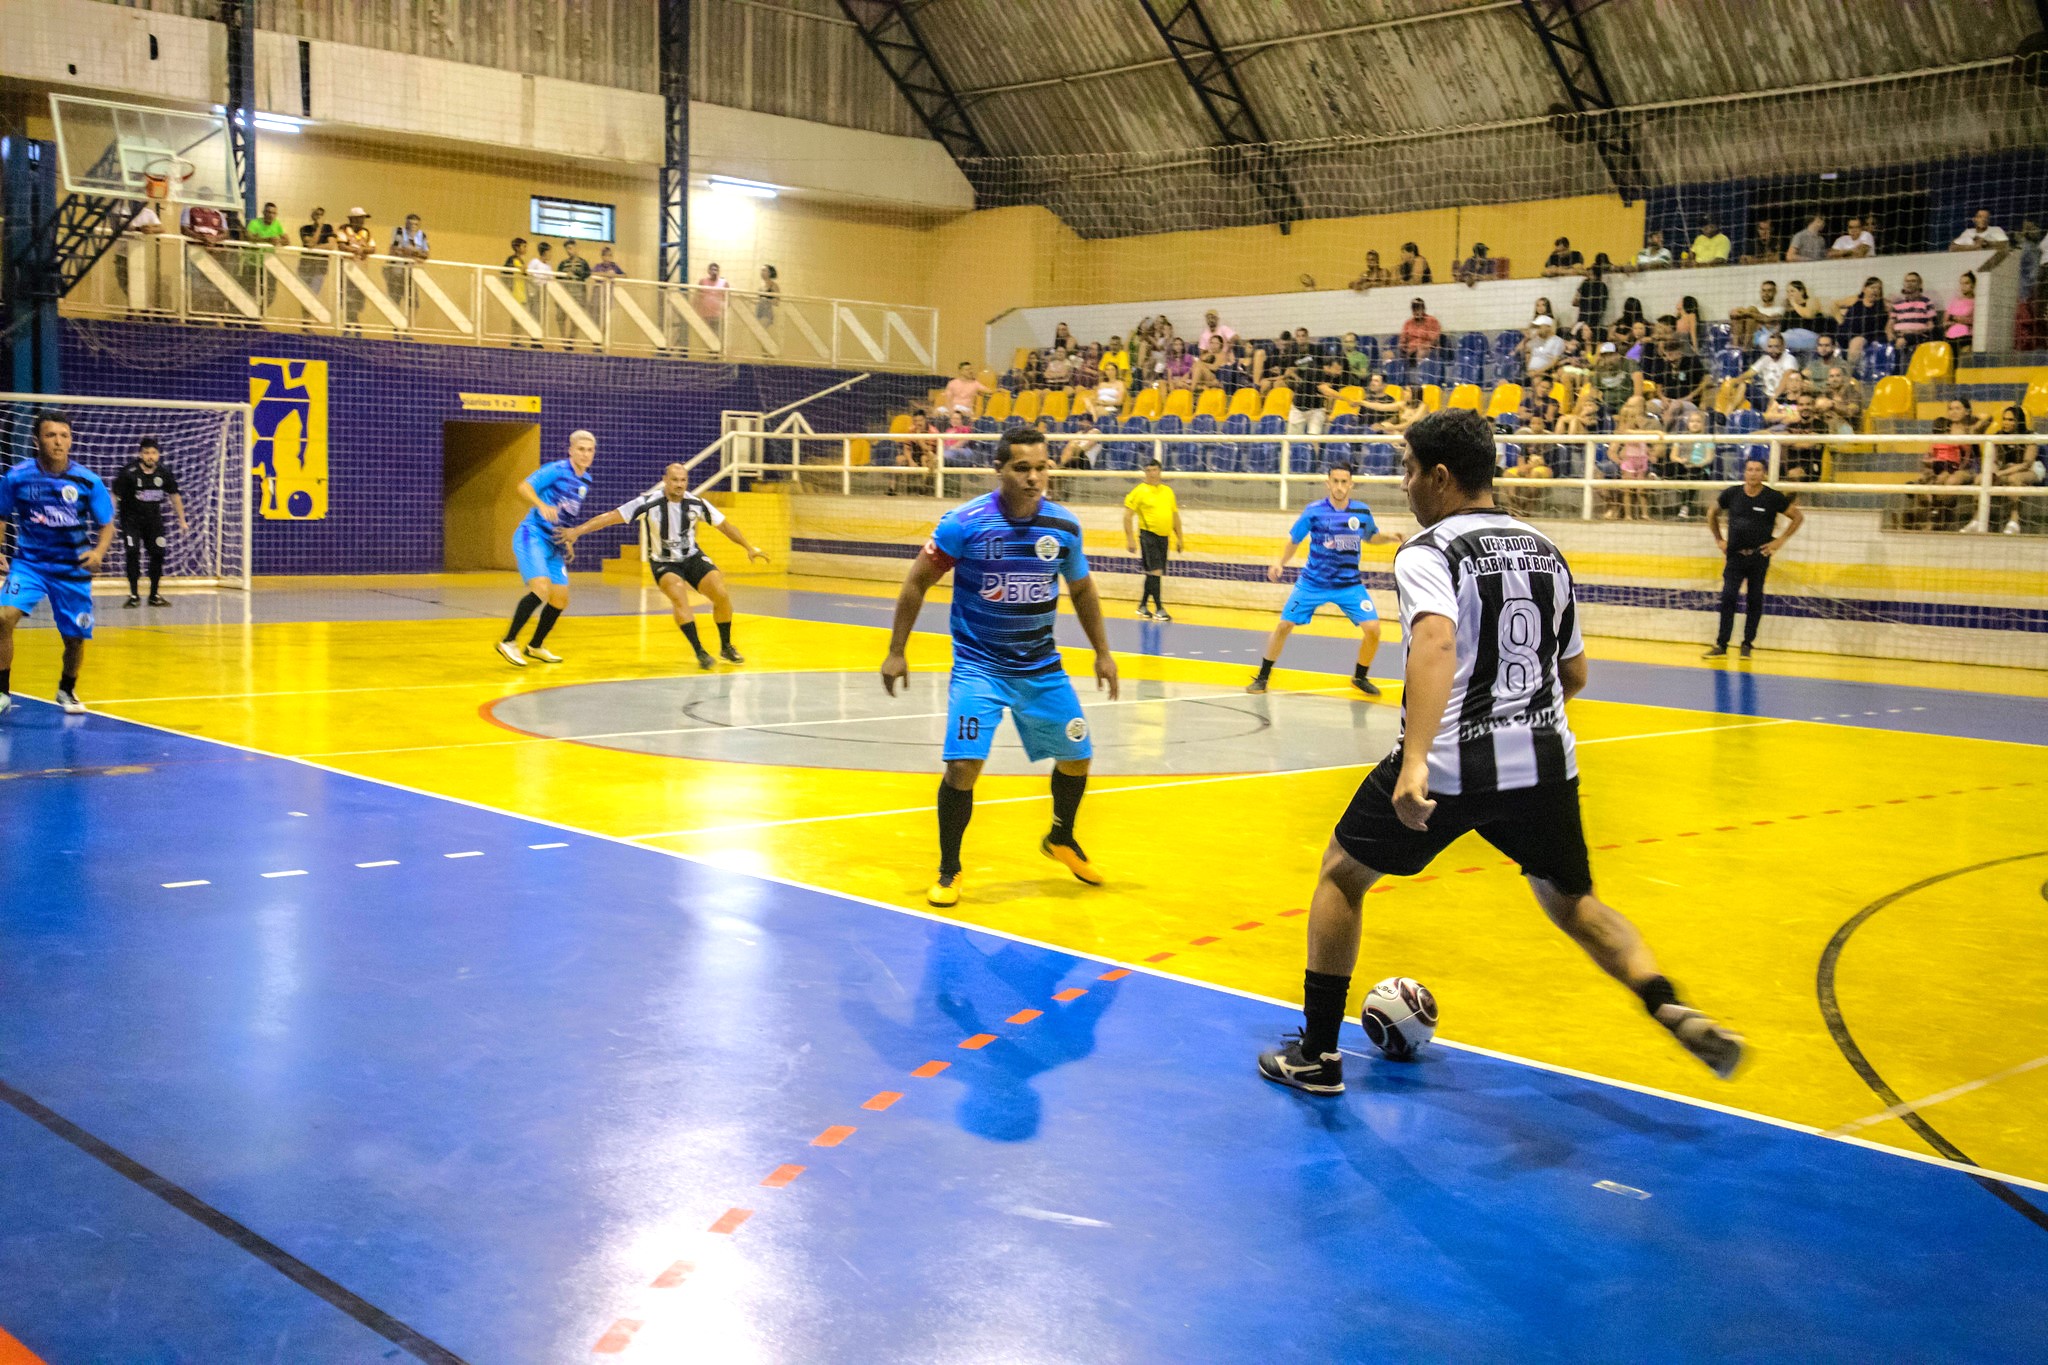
[1044, 707]
[70, 595]
[1355, 602]
[539, 556]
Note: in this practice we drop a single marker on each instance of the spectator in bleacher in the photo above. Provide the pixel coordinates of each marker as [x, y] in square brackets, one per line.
[1711, 246]
[1590, 299]
[710, 296]
[1034, 370]
[2030, 262]
[1563, 259]
[1631, 314]
[603, 273]
[1374, 275]
[2015, 464]
[1980, 235]
[1106, 398]
[1913, 315]
[1632, 458]
[1856, 240]
[1313, 398]
[1214, 330]
[408, 249]
[516, 282]
[1765, 246]
[1575, 366]
[1116, 357]
[1421, 334]
[1680, 376]
[1771, 367]
[1645, 337]
[1865, 317]
[1826, 356]
[1838, 403]
[575, 273]
[1541, 348]
[1959, 319]
[1614, 377]
[1806, 322]
[1476, 267]
[1583, 419]
[1530, 463]
[767, 296]
[1766, 314]
[540, 271]
[1357, 364]
[1063, 338]
[1088, 368]
[1203, 375]
[1811, 242]
[316, 234]
[1412, 410]
[918, 448]
[1781, 407]
[1654, 255]
[263, 234]
[1413, 267]
[963, 389]
[1379, 404]
[1079, 453]
[353, 240]
[1177, 367]
[1059, 370]
[1686, 322]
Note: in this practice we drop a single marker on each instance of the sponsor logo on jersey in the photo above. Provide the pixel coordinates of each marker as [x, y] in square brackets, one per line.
[1048, 548]
[1077, 729]
[1342, 544]
[54, 516]
[1019, 588]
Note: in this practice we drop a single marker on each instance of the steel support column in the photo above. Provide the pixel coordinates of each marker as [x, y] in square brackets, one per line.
[239, 18]
[1212, 75]
[674, 265]
[1588, 113]
[890, 32]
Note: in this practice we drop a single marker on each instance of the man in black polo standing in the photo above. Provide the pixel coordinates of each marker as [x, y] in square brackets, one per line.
[1750, 539]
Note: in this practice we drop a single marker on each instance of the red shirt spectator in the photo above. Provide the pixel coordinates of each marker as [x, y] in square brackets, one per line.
[1421, 333]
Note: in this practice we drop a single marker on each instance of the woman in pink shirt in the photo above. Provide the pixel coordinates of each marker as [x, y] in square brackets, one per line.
[1959, 319]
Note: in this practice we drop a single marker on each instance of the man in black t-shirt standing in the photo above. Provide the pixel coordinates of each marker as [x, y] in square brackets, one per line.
[142, 488]
[1751, 538]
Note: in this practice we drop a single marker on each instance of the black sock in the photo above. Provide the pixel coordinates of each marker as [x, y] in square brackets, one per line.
[68, 683]
[1358, 673]
[6, 680]
[156, 580]
[1265, 669]
[135, 584]
[1151, 591]
[549, 614]
[724, 634]
[1322, 1005]
[1066, 804]
[1657, 992]
[690, 633]
[521, 614]
[956, 808]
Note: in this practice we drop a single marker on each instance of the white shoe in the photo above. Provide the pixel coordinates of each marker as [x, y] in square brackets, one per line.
[546, 656]
[70, 702]
[1975, 526]
[509, 652]
[6, 703]
[2012, 528]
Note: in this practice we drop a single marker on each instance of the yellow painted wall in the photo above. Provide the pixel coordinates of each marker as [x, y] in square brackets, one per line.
[482, 464]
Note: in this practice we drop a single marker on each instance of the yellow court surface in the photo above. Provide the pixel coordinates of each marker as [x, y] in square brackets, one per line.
[1743, 834]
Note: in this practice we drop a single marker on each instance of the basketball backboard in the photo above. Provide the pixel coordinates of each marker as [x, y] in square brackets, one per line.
[108, 148]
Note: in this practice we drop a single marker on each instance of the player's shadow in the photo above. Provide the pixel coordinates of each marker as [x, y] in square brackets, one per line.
[967, 990]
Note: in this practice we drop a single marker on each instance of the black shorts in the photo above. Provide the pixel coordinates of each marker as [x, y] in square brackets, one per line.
[691, 570]
[1152, 551]
[1536, 826]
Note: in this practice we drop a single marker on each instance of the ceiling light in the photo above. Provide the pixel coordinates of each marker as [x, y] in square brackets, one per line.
[753, 189]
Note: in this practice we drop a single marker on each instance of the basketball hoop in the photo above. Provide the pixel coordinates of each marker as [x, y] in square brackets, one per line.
[162, 173]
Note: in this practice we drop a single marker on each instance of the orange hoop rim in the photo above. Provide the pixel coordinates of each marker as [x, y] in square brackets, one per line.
[159, 173]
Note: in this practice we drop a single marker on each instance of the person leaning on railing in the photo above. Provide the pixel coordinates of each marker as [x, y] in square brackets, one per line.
[2015, 465]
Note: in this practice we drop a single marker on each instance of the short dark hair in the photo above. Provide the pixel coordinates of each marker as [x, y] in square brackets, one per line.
[1337, 467]
[1154, 463]
[1458, 439]
[148, 443]
[1007, 443]
[49, 415]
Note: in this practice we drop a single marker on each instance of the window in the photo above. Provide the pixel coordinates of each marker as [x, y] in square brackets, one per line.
[572, 218]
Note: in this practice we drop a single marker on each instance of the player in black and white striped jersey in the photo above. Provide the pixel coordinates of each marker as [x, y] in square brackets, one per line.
[671, 514]
[1494, 653]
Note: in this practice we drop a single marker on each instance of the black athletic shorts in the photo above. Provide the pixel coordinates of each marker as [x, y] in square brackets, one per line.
[1536, 826]
[1152, 551]
[691, 570]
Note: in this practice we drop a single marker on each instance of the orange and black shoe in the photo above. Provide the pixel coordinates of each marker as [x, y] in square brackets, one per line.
[1070, 856]
[945, 892]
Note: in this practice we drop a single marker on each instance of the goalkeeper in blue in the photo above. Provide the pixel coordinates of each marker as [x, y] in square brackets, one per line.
[1008, 551]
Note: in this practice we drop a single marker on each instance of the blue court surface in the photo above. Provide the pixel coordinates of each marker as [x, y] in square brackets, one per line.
[300, 1067]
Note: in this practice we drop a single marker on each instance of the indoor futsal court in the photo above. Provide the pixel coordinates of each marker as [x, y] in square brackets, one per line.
[1057, 682]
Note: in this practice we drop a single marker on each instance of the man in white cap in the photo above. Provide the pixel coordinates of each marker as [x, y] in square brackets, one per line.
[1543, 348]
[353, 239]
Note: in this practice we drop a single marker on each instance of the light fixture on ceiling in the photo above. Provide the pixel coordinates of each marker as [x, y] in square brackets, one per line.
[752, 189]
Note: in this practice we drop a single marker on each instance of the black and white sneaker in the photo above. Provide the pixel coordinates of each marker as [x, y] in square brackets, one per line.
[157, 599]
[509, 652]
[70, 702]
[1162, 618]
[705, 661]
[6, 703]
[1288, 1065]
[541, 654]
[1145, 614]
[1255, 686]
[133, 601]
[1719, 1048]
[731, 655]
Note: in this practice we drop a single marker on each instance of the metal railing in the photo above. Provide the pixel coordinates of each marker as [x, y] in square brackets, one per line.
[170, 278]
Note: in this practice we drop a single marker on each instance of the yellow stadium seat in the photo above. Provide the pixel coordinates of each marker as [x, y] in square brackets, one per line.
[2035, 404]
[1021, 358]
[1025, 409]
[988, 379]
[1432, 398]
[998, 406]
[1353, 394]
[1466, 396]
[1213, 403]
[1507, 398]
[859, 452]
[1180, 403]
[1892, 400]
[1279, 402]
[900, 422]
[1147, 407]
[1054, 407]
[1933, 362]
[1245, 403]
[1397, 393]
[1560, 394]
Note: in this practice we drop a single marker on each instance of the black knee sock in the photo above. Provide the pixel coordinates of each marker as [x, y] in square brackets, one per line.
[1656, 992]
[6, 680]
[521, 614]
[1265, 669]
[724, 634]
[549, 614]
[68, 683]
[1151, 591]
[156, 574]
[1322, 1006]
[689, 629]
[1358, 673]
[1067, 789]
[956, 808]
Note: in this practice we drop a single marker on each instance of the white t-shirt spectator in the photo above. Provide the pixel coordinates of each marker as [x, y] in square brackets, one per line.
[1222, 331]
[1654, 256]
[1770, 373]
[1989, 237]
[1862, 239]
[540, 269]
[1544, 352]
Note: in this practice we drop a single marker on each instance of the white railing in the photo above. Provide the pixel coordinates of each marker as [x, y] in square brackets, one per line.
[165, 277]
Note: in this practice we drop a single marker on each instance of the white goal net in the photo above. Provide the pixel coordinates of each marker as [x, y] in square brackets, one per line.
[206, 445]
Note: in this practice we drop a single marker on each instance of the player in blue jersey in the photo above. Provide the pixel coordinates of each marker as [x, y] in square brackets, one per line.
[63, 524]
[1336, 529]
[556, 492]
[1008, 551]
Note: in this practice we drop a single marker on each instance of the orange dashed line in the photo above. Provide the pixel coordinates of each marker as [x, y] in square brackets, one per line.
[1070, 993]
[1290, 914]
[833, 1136]
[1471, 869]
[1023, 1016]
[1930, 796]
[1384, 887]
[1430, 878]
[881, 1100]
[1119, 974]
[730, 1220]
[1987, 789]
[1605, 847]
[1799, 817]
[1763, 822]
[1957, 792]
[930, 1069]
[1689, 834]
[617, 1337]
[781, 1176]
[1867, 805]
[1653, 839]
[1248, 924]
[1159, 957]
[680, 1271]
[1202, 942]
[1837, 810]
[1896, 801]
[977, 1042]
[1725, 828]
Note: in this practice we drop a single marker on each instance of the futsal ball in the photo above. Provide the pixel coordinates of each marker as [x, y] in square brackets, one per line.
[1399, 1016]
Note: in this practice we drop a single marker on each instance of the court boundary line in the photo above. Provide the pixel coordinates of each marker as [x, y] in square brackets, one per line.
[1926, 1159]
[1954, 1092]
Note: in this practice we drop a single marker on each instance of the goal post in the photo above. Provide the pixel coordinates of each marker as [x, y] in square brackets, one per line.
[210, 447]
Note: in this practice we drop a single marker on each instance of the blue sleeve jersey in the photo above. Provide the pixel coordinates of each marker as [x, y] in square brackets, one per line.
[1006, 588]
[559, 486]
[56, 516]
[1335, 535]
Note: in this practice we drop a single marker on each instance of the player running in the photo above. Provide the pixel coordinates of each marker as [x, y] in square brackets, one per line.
[51, 501]
[1494, 653]
[1336, 529]
[556, 490]
[1010, 549]
[140, 491]
[672, 512]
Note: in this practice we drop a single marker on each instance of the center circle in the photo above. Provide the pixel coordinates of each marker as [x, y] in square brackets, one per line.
[846, 721]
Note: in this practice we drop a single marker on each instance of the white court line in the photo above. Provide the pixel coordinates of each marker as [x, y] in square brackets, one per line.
[472, 853]
[1135, 786]
[381, 862]
[1139, 968]
[1938, 1097]
[294, 872]
[175, 886]
[547, 845]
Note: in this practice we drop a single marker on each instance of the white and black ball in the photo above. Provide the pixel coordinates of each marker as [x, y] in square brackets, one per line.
[1399, 1016]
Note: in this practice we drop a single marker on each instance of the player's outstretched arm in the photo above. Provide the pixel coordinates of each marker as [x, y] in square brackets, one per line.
[739, 538]
[1432, 665]
[1088, 608]
[571, 534]
[925, 572]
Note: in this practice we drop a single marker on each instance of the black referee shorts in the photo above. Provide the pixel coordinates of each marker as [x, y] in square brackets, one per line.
[691, 570]
[1152, 551]
[1536, 826]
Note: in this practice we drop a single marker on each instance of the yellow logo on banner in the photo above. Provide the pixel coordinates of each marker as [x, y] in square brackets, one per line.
[290, 398]
[500, 402]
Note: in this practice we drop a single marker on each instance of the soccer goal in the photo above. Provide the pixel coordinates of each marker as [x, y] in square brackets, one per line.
[207, 446]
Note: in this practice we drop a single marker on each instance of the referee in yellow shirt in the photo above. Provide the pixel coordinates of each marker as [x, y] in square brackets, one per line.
[1151, 513]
